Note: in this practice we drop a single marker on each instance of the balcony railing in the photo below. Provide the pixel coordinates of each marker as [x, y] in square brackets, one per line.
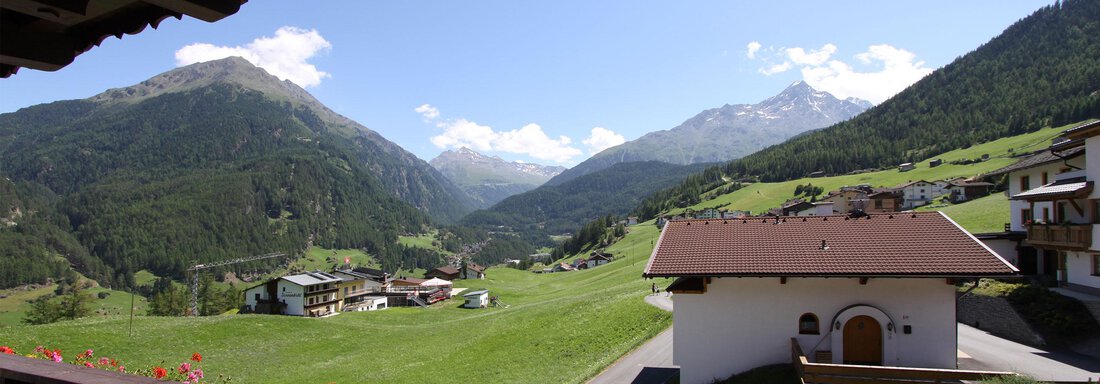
[818, 373]
[1060, 236]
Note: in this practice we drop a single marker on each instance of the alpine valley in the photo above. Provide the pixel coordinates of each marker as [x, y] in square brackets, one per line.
[491, 179]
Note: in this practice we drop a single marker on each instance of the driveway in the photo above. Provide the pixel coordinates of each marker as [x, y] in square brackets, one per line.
[649, 364]
[985, 352]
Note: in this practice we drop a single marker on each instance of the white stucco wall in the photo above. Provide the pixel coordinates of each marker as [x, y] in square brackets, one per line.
[250, 295]
[292, 294]
[1079, 270]
[1004, 247]
[743, 323]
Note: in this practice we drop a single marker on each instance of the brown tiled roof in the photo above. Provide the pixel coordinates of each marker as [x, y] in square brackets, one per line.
[1039, 158]
[446, 270]
[909, 244]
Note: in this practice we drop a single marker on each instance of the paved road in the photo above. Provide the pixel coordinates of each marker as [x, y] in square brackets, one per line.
[991, 353]
[649, 364]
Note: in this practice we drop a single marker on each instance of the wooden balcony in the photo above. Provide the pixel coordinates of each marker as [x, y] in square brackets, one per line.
[1072, 237]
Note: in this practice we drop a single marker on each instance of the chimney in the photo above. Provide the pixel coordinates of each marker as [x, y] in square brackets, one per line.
[823, 208]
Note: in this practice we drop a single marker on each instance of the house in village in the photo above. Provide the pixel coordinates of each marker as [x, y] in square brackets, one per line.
[632, 220]
[597, 259]
[445, 272]
[563, 267]
[580, 263]
[859, 290]
[709, 213]
[473, 271]
[916, 193]
[848, 199]
[357, 288]
[476, 299]
[884, 200]
[793, 206]
[1054, 205]
[962, 190]
[305, 294]
[410, 291]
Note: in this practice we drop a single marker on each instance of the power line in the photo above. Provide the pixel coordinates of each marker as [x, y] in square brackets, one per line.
[194, 269]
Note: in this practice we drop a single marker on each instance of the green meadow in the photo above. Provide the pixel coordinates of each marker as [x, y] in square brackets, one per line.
[559, 328]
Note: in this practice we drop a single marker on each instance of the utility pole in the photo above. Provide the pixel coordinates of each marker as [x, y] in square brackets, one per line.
[194, 311]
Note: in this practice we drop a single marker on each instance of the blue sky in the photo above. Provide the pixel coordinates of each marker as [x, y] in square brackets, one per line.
[548, 82]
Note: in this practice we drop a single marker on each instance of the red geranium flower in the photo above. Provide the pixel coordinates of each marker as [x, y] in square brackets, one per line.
[159, 372]
[196, 357]
[7, 350]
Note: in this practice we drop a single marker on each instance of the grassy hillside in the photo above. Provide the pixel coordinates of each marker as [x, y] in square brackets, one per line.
[560, 328]
[15, 303]
[984, 215]
[762, 196]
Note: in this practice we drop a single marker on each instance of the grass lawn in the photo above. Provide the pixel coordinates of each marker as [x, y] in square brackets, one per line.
[759, 197]
[560, 328]
[984, 215]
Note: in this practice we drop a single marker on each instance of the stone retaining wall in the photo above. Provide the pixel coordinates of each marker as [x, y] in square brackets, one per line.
[996, 316]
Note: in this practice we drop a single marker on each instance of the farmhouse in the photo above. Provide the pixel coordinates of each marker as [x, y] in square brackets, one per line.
[473, 271]
[445, 272]
[877, 289]
[597, 259]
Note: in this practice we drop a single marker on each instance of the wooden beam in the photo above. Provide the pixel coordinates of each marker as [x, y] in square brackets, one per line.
[205, 10]
[62, 11]
[1080, 211]
[37, 50]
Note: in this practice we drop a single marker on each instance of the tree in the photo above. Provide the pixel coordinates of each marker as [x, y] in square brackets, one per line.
[43, 311]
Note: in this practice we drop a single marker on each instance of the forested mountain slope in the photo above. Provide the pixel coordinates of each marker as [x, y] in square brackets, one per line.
[172, 172]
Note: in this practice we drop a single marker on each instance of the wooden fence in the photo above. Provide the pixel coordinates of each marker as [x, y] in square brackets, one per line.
[817, 373]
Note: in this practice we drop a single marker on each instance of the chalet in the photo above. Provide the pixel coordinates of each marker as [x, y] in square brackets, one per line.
[916, 193]
[305, 294]
[598, 259]
[709, 213]
[904, 167]
[962, 191]
[632, 220]
[1058, 213]
[473, 271]
[860, 290]
[884, 200]
[476, 299]
[445, 272]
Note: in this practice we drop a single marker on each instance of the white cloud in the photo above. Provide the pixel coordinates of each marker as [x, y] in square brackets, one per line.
[880, 72]
[532, 141]
[896, 70]
[428, 111]
[602, 138]
[529, 140]
[778, 68]
[753, 48]
[464, 133]
[818, 57]
[284, 55]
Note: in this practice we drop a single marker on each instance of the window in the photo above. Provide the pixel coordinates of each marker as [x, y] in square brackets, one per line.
[1095, 212]
[1025, 183]
[1096, 265]
[1025, 216]
[1043, 178]
[257, 297]
[807, 324]
[878, 203]
[1046, 215]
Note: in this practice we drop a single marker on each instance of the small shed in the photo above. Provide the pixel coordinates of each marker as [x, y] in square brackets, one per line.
[935, 163]
[906, 167]
[477, 299]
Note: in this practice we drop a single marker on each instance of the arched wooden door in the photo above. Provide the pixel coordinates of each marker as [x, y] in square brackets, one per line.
[862, 341]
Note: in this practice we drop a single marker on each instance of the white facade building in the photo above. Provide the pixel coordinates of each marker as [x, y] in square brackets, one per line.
[859, 290]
